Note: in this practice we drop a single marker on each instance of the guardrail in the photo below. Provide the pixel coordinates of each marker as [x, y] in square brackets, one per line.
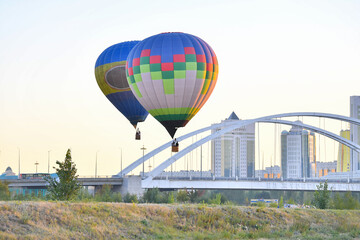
[174, 178]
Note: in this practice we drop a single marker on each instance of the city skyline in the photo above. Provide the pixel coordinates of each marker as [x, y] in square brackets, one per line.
[273, 57]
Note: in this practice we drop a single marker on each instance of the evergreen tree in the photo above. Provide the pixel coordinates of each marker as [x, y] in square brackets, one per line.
[67, 186]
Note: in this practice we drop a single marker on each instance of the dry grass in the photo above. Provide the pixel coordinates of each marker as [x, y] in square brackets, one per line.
[64, 220]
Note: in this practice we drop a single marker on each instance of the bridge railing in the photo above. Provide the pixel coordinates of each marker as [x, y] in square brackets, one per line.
[98, 176]
[256, 179]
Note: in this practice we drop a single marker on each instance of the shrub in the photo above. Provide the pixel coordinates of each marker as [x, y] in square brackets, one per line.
[171, 198]
[4, 191]
[194, 195]
[216, 200]
[152, 195]
[281, 202]
[130, 198]
[291, 201]
[261, 204]
[273, 205]
[182, 196]
[346, 202]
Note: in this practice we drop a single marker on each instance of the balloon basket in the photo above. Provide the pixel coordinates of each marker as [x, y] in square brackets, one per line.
[174, 148]
[137, 136]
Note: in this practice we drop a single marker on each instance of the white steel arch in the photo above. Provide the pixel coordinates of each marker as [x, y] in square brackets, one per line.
[147, 156]
[238, 124]
[328, 134]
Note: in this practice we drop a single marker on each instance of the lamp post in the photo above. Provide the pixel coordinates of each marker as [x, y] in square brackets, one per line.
[121, 168]
[201, 161]
[36, 166]
[143, 149]
[19, 161]
[96, 164]
[49, 161]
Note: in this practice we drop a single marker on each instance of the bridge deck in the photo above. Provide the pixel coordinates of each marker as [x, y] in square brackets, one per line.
[13, 183]
[293, 185]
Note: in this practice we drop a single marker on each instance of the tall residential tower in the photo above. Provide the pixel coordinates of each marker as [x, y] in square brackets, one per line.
[298, 157]
[233, 154]
[343, 162]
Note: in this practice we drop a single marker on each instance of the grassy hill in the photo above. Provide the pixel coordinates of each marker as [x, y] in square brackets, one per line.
[66, 220]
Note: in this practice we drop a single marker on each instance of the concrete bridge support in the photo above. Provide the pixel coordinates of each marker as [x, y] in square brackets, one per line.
[132, 185]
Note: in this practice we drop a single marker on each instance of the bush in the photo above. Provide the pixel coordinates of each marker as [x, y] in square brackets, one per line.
[273, 205]
[84, 195]
[152, 195]
[261, 204]
[130, 198]
[194, 196]
[182, 196]
[345, 202]
[281, 202]
[4, 191]
[216, 200]
[291, 201]
[171, 198]
[107, 195]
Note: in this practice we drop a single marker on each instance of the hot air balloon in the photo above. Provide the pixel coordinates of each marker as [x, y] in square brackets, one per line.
[172, 75]
[111, 78]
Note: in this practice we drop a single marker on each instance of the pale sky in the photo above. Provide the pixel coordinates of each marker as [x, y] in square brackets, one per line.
[274, 57]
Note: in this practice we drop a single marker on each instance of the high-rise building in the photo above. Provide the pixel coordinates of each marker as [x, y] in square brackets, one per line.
[343, 163]
[354, 131]
[233, 154]
[298, 157]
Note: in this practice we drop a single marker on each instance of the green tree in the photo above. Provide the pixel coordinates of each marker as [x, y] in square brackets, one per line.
[152, 195]
[131, 198]
[216, 200]
[350, 202]
[105, 194]
[322, 196]
[193, 195]
[281, 202]
[84, 195]
[182, 196]
[171, 198]
[345, 202]
[4, 191]
[66, 187]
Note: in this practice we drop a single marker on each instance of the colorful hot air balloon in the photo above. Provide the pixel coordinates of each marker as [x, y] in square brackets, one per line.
[111, 78]
[172, 75]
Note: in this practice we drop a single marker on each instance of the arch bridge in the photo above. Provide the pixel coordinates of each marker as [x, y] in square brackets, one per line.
[151, 179]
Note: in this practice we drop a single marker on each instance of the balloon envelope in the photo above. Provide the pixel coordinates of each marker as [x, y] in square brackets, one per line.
[172, 75]
[111, 78]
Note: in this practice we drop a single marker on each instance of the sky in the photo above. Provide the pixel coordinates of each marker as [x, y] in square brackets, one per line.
[274, 57]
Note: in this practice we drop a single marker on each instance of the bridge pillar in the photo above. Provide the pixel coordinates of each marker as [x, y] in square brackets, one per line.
[132, 185]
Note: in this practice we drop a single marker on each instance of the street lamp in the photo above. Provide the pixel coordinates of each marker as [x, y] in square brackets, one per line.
[121, 174]
[96, 163]
[143, 149]
[49, 161]
[36, 166]
[19, 161]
